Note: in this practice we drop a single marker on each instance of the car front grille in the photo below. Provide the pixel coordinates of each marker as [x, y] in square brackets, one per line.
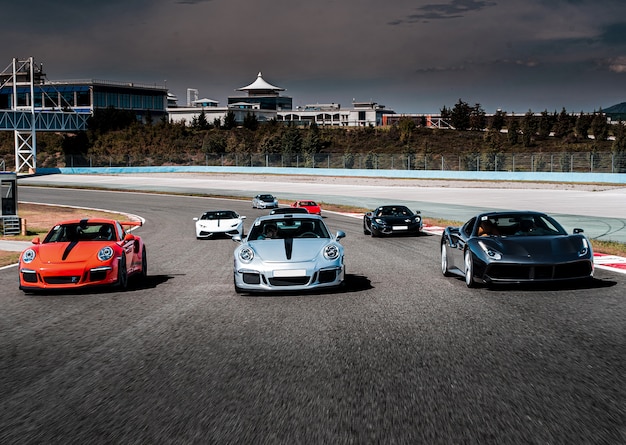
[73, 279]
[29, 277]
[327, 276]
[289, 281]
[513, 272]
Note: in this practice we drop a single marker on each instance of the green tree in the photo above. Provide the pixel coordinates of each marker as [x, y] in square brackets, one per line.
[582, 125]
[110, 119]
[544, 125]
[513, 131]
[478, 119]
[529, 128]
[599, 126]
[498, 120]
[250, 122]
[406, 125]
[291, 141]
[619, 147]
[229, 121]
[564, 125]
[460, 116]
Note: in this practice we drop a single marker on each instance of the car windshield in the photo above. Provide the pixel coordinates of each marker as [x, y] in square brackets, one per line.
[530, 224]
[63, 233]
[394, 211]
[225, 214]
[308, 203]
[266, 197]
[288, 228]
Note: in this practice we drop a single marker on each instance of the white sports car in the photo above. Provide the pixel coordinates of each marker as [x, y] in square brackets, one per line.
[292, 252]
[219, 222]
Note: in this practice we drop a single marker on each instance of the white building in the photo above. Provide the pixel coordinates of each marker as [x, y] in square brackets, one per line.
[265, 102]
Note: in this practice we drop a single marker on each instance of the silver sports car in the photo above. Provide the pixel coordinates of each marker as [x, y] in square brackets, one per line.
[288, 253]
[515, 247]
[264, 201]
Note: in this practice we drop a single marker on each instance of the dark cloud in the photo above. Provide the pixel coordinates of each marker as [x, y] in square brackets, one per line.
[450, 10]
[614, 34]
[411, 55]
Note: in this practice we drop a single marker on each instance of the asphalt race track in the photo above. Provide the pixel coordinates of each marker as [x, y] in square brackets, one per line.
[402, 355]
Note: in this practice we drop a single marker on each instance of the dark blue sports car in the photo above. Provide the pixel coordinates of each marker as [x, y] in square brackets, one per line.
[515, 247]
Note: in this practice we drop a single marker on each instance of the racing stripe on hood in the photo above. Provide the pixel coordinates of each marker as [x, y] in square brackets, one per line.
[72, 244]
[288, 247]
[68, 249]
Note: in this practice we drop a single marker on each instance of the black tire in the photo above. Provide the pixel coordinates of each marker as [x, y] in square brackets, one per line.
[238, 290]
[444, 260]
[469, 269]
[122, 273]
[144, 264]
[365, 229]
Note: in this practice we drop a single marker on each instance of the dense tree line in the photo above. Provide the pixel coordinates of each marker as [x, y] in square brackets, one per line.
[116, 135]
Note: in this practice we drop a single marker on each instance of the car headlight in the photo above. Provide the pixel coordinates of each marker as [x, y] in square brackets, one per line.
[246, 254]
[331, 252]
[417, 219]
[491, 253]
[379, 221]
[105, 254]
[28, 255]
[585, 248]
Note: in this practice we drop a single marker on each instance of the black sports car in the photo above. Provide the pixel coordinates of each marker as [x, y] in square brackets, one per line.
[288, 210]
[392, 219]
[515, 247]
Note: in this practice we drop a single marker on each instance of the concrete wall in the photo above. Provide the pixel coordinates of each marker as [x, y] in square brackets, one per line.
[600, 178]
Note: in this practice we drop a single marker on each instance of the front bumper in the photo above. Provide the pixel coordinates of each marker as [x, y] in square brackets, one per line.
[529, 273]
[291, 279]
[64, 277]
[387, 229]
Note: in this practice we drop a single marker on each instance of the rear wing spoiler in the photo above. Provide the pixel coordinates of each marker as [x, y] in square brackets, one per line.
[132, 223]
[129, 226]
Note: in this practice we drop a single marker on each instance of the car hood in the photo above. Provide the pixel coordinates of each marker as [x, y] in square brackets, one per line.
[396, 219]
[51, 253]
[536, 247]
[289, 249]
[217, 223]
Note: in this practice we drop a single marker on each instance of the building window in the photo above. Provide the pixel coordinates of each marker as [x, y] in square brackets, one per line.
[67, 99]
[82, 99]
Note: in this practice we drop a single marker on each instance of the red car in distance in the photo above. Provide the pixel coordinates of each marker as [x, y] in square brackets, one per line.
[310, 206]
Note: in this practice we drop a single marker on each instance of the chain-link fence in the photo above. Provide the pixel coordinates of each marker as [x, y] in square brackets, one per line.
[589, 162]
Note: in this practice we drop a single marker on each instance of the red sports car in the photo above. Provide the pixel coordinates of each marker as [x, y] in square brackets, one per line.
[85, 252]
[310, 206]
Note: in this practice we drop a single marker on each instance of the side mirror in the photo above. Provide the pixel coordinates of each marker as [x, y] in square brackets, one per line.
[577, 230]
[243, 217]
[340, 234]
[368, 214]
[195, 219]
[36, 240]
[417, 212]
[129, 237]
[236, 238]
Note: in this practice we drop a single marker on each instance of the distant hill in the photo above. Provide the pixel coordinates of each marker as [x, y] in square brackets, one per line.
[616, 112]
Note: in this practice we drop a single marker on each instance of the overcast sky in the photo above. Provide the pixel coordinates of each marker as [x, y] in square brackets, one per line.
[411, 56]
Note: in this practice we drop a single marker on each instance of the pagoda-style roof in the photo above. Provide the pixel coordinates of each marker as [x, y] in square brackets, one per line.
[260, 85]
